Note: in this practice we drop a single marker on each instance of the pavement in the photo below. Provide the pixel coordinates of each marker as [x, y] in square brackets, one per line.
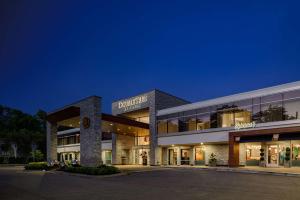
[153, 183]
[280, 171]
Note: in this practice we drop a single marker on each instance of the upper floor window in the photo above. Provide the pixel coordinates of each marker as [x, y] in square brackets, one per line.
[270, 108]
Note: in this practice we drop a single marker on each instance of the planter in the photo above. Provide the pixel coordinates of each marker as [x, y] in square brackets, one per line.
[262, 163]
[212, 164]
[287, 164]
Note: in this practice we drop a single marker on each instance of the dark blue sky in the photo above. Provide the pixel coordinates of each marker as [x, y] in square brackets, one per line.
[54, 53]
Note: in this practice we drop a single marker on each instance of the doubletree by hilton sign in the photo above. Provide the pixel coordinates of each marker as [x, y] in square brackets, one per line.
[240, 125]
[133, 103]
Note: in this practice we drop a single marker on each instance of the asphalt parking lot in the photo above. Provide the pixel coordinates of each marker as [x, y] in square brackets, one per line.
[156, 184]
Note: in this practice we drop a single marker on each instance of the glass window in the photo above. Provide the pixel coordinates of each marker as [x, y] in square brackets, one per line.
[253, 152]
[271, 98]
[185, 156]
[242, 116]
[191, 123]
[256, 114]
[182, 124]
[173, 126]
[142, 140]
[271, 112]
[203, 121]
[213, 120]
[291, 109]
[162, 126]
[243, 103]
[199, 154]
[292, 95]
[203, 110]
[226, 119]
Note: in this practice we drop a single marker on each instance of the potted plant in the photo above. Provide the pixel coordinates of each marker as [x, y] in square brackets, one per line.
[287, 158]
[212, 160]
[262, 162]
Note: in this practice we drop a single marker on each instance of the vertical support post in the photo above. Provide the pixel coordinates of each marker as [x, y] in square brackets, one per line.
[51, 142]
[114, 148]
[233, 151]
[90, 132]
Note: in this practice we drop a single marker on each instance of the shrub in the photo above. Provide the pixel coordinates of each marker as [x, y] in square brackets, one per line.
[101, 170]
[37, 166]
[37, 155]
[262, 155]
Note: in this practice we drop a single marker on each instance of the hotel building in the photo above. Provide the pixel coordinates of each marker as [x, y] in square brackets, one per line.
[260, 127]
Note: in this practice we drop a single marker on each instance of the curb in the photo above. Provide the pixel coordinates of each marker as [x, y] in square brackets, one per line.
[245, 171]
[88, 176]
[259, 172]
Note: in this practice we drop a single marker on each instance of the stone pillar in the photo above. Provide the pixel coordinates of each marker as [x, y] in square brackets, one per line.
[90, 132]
[152, 129]
[51, 142]
[114, 149]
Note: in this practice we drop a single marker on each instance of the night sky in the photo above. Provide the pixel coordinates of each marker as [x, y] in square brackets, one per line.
[54, 53]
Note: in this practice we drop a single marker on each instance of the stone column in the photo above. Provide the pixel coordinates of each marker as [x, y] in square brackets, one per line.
[51, 142]
[90, 132]
[152, 129]
[114, 149]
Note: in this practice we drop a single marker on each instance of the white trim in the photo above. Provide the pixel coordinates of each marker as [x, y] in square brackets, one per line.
[73, 130]
[231, 98]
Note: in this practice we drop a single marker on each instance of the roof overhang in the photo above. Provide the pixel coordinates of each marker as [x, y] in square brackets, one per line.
[123, 120]
[66, 113]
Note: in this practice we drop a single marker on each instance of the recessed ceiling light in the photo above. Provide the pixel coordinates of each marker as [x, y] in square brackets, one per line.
[111, 124]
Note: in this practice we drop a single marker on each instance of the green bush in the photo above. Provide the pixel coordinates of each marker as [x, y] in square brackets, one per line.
[101, 170]
[37, 166]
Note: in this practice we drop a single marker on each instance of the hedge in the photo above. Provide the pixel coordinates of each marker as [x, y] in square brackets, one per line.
[101, 170]
[37, 166]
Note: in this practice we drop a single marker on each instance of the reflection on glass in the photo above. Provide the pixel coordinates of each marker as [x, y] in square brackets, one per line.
[271, 108]
[173, 126]
[162, 126]
[185, 156]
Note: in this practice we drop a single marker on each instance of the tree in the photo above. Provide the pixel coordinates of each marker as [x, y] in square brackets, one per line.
[37, 156]
[22, 131]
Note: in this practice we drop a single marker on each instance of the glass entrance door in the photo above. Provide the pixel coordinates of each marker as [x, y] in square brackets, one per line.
[172, 157]
[273, 155]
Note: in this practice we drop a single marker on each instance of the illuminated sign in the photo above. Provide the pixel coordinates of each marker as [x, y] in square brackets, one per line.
[240, 125]
[133, 103]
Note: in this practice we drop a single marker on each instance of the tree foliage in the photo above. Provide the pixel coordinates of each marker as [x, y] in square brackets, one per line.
[22, 130]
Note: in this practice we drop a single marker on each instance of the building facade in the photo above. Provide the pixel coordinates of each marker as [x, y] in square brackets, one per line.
[260, 127]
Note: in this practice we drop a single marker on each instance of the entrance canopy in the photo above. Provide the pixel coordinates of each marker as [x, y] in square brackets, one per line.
[69, 118]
